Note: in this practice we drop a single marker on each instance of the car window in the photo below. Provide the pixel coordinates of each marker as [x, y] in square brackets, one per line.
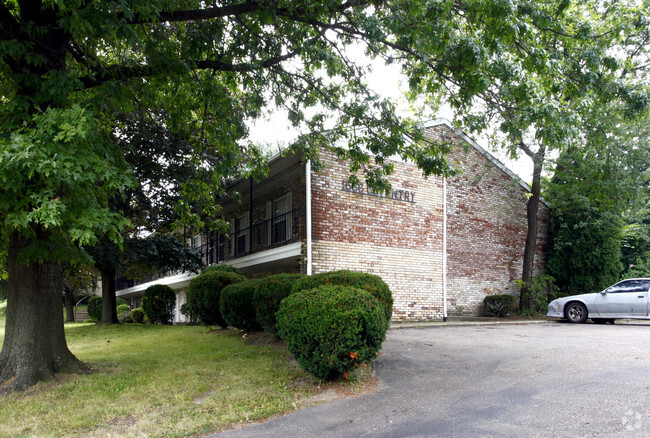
[630, 286]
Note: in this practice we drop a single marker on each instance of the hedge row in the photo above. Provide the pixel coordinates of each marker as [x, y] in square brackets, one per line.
[331, 322]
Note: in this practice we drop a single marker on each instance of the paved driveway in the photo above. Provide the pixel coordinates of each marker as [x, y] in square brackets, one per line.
[545, 380]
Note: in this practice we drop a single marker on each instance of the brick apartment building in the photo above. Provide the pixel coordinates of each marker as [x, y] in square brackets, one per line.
[441, 245]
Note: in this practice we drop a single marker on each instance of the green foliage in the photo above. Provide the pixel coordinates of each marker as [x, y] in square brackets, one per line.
[121, 309]
[587, 193]
[95, 308]
[203, 296]
[330, 330]
[64, 160]
[236, 305]
[125, 317]
[158, 303]
[269, 292]
[371, 283]
[192, 319]
[541, 290]
[222, 267]
[498, 305]
[138, 315]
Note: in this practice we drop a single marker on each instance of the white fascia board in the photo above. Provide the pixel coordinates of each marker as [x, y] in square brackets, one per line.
[180, 281]
[270, 255]
[176, 282]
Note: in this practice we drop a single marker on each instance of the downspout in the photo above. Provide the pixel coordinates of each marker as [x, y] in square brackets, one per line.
[444, 249]
[250, 218]
[308, 213]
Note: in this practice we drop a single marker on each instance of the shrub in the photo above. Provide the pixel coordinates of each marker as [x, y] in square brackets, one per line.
[203, 296]
[121, 309]
[95, 304]
[236, 305]
[269, 292]
[192, 319]
[95, 308]
[498, 305]
[222, 268]
[125, 317]
[137, 315]
[371, 283]
[158, 303]
[330, 330]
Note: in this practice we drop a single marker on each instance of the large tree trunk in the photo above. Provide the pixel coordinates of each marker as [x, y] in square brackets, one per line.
[69, 304]
[34, 346]
[531, 236]
[109, 300]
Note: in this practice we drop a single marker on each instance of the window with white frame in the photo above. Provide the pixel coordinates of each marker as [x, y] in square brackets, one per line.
[241, 234]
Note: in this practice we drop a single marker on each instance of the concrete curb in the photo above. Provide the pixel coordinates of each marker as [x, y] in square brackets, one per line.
[462, 323]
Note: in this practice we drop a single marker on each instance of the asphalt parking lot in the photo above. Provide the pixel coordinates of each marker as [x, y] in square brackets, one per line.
[544, 380]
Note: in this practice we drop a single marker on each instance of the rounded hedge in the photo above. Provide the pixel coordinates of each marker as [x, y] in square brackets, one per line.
[330, 330]
[368, 282]
[222, 268]
[158, 303]
[269, 292]
[137, 315]
[236, 305]
[122, 308]
[203, 296]
[95, 308]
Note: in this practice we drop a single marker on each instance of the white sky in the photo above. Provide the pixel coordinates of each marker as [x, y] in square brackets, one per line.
[388, 82]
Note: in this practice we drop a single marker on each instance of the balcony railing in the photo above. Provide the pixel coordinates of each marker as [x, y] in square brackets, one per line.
[272, 233]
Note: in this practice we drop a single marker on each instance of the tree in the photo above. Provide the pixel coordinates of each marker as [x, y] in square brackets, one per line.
[78, 282]
[69, 67]
[561, 60]
[160, 164]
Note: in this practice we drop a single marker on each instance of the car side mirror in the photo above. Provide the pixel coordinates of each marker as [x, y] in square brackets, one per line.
[604, 292]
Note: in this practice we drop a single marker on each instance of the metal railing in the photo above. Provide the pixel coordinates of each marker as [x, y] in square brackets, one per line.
[275, 232]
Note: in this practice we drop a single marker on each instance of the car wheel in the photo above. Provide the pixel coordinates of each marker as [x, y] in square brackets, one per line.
[599, 320]
[576, 312]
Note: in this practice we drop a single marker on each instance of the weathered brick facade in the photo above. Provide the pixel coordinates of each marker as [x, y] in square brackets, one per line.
[400, 237]
[402, 240]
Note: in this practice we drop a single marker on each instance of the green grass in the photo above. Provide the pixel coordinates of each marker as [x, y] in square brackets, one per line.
[161, 381]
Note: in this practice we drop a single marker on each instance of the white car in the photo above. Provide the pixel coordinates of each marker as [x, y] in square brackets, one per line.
[626, 299]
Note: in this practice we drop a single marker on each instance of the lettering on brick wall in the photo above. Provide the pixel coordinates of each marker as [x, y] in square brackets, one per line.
[398, 195]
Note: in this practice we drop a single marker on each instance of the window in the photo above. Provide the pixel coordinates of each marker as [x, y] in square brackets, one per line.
[241, 234]
[279, 231]
[630, 286]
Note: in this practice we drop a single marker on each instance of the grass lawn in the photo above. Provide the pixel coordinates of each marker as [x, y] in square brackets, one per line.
[149, 380]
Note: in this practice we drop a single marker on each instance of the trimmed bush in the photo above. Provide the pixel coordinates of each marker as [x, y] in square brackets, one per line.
[498, 305]
[203, 296]
[158, 303]
[137, 315]
[269, 292]
[330, 330]
[371, 283]
[125, 317]
[192, 319]
[222, 268]
[122, 308]
[95, 308]
[236, 305]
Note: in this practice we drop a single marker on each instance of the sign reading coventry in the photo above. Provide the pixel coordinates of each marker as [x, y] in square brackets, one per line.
[398, 195]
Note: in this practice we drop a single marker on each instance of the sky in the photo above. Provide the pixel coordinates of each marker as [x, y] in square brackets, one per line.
[388, 82]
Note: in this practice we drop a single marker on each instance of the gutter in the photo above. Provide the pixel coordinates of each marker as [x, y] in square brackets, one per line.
[308, 214]
[444, 249]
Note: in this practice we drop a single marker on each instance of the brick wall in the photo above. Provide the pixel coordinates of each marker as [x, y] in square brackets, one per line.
[486, 229]
[401, 241]
[398, 239]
